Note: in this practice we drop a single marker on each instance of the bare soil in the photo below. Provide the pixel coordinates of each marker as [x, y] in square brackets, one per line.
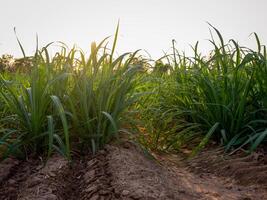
[124, 171]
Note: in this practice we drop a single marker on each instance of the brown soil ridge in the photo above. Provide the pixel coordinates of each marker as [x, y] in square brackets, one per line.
[14, 172]
[120, 171]
[136, 176]
[96, 181]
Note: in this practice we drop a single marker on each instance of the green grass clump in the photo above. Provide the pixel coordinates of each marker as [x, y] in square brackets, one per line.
[222, 96]
[66, 101]
[69, 102]
[101, 93]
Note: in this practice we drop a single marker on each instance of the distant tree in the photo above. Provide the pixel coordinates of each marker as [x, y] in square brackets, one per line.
[11, 64]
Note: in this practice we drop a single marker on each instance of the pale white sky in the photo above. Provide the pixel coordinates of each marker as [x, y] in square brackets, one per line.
[144, 24]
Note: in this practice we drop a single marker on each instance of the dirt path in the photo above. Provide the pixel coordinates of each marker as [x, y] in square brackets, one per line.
[208, 185]
[120, 171]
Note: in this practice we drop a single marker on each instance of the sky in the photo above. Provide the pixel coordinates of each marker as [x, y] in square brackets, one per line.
[144, 24]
